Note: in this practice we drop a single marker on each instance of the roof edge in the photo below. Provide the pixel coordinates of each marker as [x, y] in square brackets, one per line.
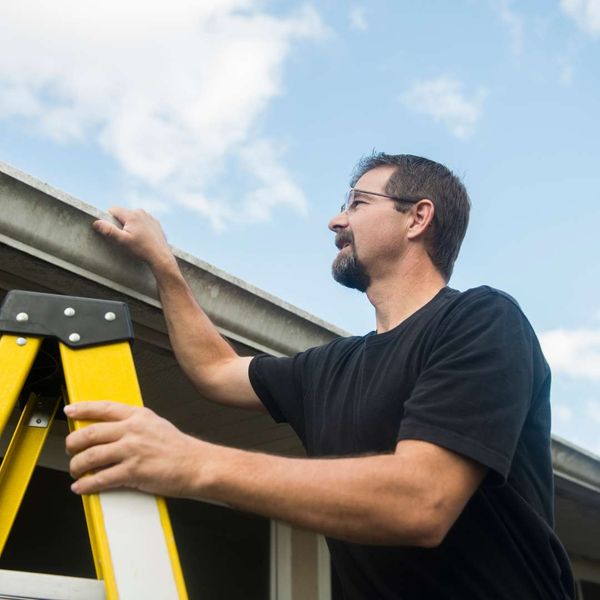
[575, 464]
[55, 227]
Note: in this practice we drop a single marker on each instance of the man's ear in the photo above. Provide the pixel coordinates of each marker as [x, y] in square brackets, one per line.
[422, 218]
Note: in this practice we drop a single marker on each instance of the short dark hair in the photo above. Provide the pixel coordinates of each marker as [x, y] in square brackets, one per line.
[416, 177]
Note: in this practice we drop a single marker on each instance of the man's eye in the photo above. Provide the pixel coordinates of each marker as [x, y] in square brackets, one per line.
[355, 203]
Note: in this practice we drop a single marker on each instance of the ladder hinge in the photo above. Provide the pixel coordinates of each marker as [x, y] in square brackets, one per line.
[77, 322]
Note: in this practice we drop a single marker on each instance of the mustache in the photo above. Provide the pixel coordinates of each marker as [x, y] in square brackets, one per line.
[342, 238]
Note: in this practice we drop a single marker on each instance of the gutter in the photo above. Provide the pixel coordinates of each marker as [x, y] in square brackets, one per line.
[55, 228]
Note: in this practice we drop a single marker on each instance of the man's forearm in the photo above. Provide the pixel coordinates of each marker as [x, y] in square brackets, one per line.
[363, 499]
[411, 497]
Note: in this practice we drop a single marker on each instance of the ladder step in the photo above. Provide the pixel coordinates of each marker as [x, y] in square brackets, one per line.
[29, 586]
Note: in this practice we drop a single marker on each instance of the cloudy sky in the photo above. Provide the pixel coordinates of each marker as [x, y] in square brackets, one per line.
[238, 122]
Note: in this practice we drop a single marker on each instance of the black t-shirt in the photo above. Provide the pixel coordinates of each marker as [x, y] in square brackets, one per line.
[465, 372]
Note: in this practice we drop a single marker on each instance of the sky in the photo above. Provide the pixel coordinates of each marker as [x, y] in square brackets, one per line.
[238, 123]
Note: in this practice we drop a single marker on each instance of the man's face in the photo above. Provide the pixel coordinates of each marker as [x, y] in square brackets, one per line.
[368, 234]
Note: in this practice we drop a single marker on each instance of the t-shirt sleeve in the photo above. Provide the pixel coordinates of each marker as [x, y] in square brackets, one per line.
[278, 382]
[475, 389]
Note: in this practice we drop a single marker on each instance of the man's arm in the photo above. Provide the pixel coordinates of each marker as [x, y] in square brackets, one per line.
[207, 359]
[411, 497]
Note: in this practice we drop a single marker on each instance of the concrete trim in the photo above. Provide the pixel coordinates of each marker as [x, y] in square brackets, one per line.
[575, 467]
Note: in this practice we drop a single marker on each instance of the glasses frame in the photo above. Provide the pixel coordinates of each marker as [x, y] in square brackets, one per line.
[350, 198]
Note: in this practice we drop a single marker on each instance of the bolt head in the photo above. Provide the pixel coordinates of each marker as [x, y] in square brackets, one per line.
[21, 341]
[69, 312]
[22, 317]
[110, 316]
[74, 337]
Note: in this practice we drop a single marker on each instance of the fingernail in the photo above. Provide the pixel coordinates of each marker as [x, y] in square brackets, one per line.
[69, 410]
[75, 487]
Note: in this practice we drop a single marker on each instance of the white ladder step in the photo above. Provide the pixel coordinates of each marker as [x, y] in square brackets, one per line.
[22, 585]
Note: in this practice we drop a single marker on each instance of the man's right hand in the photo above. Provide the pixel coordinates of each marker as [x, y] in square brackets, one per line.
[209, 361]
[141, 234]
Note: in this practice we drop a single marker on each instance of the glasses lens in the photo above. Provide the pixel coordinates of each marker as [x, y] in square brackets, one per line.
[348, 200]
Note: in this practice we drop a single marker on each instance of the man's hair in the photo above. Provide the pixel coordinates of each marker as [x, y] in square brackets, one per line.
[414, 178]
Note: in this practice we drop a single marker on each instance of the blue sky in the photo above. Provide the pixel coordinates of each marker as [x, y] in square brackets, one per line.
[238, 122]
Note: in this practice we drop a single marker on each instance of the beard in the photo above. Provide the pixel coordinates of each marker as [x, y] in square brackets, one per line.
[347, 268]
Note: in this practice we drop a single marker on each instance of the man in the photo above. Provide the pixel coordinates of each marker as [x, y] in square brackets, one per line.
[430, 469]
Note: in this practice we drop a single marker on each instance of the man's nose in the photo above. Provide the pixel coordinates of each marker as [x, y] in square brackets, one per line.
[339, 221]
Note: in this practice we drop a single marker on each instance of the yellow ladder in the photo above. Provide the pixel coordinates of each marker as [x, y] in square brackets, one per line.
[130, 532]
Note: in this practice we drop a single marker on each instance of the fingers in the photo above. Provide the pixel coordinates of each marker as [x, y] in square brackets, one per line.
[112, 477]
[100, 410]
[96, 445]
[108, 423]
[110, 230]
[101, 453]
[140, 233]
[92, 435]
[96, 457]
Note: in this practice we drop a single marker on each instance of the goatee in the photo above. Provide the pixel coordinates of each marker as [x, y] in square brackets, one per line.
[350, 272]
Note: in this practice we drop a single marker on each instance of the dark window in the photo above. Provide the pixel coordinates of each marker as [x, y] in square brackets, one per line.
[591, 591]
[224, 554]
[49, 534]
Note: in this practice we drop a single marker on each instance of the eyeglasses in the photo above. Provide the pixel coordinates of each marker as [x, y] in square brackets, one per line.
[349, 201]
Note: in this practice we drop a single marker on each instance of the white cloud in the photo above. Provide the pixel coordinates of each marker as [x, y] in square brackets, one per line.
[575, 353]
[514, 23]
[172, 91]
[444, 100]
[358, 19]
[276, 186]
[586, 13]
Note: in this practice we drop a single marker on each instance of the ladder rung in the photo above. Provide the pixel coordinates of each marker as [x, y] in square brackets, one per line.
[23, 585]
